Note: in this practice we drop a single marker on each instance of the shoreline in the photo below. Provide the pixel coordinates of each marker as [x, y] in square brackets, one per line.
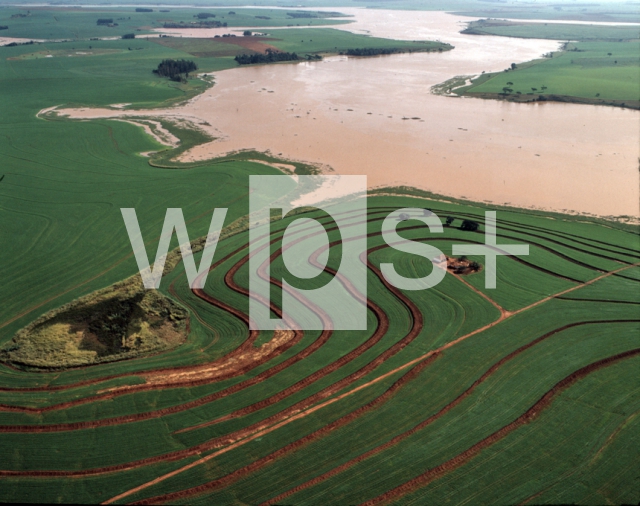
[493, 167]
[566, 99]
[178, 150]
[289, 166]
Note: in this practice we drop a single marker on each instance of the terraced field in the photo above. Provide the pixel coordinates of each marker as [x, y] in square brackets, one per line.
[448, 396]
[525, 394]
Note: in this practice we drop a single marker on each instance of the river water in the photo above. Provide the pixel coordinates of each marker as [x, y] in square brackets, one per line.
[356, 115]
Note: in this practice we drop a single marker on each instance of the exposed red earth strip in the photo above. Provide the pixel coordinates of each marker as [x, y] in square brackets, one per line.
[374, 381]
[295, 445]
[165, 371]
[531, 414]
[400, 437]
[31, 428]
[412, 362]
[160, 371]
[228, 479]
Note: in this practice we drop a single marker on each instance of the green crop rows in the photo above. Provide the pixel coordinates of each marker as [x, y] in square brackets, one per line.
[455, 394]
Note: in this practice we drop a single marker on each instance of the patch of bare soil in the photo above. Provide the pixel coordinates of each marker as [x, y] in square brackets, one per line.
[256, 44]
[462, 266]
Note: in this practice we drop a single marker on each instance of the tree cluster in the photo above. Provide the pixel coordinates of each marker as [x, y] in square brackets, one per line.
[129, 36]
[143, 9]
[199, 24]
[105, 21]
[470, 226]
[4, 27]
[204, 15]
[302, 15]
[370, 51]
[270, 56]
[173, 69]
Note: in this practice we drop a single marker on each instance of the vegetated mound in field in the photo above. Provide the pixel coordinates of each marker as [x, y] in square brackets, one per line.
[116, 323]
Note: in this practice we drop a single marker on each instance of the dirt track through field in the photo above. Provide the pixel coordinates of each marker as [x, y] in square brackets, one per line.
[409, 364]
[531, 414]
[299, 410]
[380, 378]
[397, 439]
[373, 210]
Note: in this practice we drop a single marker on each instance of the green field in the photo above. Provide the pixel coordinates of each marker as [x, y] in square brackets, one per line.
[555, 31]
[603, 67]
[79, 23]
[309, 41]
[457, 394]
[612, 11]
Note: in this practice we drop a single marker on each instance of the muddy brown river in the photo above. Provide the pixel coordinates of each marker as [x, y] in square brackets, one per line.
[377, 116]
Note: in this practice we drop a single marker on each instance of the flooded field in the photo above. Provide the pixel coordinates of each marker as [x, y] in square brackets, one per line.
[377, 116]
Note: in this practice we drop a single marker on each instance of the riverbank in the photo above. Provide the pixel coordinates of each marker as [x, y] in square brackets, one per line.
[377, 116]
[599, 66]
[529, 99]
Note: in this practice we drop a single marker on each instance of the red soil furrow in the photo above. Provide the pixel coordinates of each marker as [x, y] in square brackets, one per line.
[260, 463]
[160, 371]
[381, 330]
[234, 476]
[229, 280]
[151, 460]
[400, 437]
[83, 383]
[531, 414]
[600, 300]
[322, 339]
[383, 326]
[162, 412]
[188, 452]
